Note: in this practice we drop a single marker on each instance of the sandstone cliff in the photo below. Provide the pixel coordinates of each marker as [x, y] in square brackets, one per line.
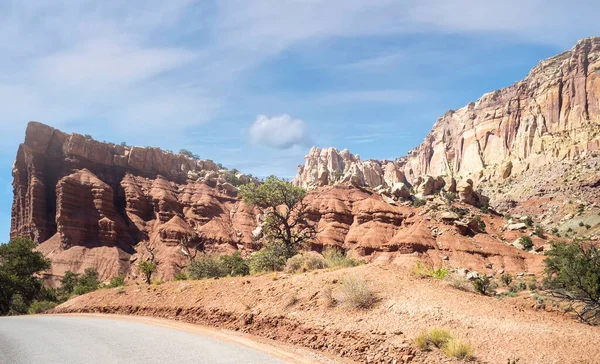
[103, 205]
[92, 204]
[552, 115]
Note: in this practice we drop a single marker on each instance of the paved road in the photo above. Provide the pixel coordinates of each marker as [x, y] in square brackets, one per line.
[91, 340]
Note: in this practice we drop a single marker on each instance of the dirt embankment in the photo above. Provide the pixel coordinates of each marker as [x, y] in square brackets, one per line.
[297, 309]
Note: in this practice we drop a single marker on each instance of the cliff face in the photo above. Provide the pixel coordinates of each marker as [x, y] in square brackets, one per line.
[552, 115]
[97, 204]
[92, 204]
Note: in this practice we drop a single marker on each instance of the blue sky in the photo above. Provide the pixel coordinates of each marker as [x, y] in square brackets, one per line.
[253, 84]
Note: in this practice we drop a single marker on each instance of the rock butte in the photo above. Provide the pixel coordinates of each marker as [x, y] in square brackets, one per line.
[93, 204]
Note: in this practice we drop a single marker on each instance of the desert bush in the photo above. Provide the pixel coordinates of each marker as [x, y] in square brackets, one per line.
[443, 339]
[526, 242]
[87, 282]
[335, 257]
[458, 349]
[206, 266]
[581, 224]
[117, 281]
[235, 264]
[451, 197]
[181, 276]
[357, 293]
[305, 262]
[573, 275]
[459, 282]
[483, 284]
[528, 221]
[421, 270]
[554, 230]
[506, 279]
[532, 285]
[539, 231]
[418, 202]
[522, 286]
[271, 258]
[41, 306]
[434, 337]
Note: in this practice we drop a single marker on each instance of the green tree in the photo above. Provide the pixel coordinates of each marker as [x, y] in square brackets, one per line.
[573, 274]
[68, 282]
[147, 268]
[87, 282]
[286, 213]
[19, 269]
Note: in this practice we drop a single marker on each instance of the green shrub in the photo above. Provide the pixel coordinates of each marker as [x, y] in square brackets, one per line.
[270, 258]
[532, 285]
[87, 282]
[206, 266]
[235, 264]
[357, 293]
[181, 276]
[305, 262]
[554, 230]
[417, 202]
[68, 282]
[451, 197]
[335, 257]
[573, 274]
[506, 279]
[434, 337]
[526, 242]
[522, 286]
[581, 224]
[41, 306]
[117, 281]
[539, 231]
[528, 221]
[483, 284]
[189, 154]
[439, 273]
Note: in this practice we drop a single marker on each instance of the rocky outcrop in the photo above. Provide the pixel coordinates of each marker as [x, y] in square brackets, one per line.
[329, 166]
[93, 204]
[552, 115]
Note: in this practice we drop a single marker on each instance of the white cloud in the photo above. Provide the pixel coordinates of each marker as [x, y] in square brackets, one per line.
[278, 132]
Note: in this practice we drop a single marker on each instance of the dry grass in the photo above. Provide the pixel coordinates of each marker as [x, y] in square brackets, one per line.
[435, 337]
[357, 293]
[458, 349]
[305, 262]
[329, 298]
[443, 339]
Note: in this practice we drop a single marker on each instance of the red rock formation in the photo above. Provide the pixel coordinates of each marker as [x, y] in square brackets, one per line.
[91, 204]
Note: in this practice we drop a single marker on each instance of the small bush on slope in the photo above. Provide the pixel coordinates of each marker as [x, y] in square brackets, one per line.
[206, 266]
[526, 242]
[305, 262]
[443, 339]
[356, 293]
[573, 275]
[269, 259]
[335, 257]
[458, 349]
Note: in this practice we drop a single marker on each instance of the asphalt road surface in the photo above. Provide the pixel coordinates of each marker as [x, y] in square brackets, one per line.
[91, 340]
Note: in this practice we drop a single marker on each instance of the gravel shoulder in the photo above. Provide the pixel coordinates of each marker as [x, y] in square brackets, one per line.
[295, 309]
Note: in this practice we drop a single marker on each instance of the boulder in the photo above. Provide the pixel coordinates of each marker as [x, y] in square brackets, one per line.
[517, 226]
[400, 190]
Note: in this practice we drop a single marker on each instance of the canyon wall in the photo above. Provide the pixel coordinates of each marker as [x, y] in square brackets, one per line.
[552, 115]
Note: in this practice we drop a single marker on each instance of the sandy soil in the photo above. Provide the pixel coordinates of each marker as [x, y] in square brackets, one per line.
[295, 309]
